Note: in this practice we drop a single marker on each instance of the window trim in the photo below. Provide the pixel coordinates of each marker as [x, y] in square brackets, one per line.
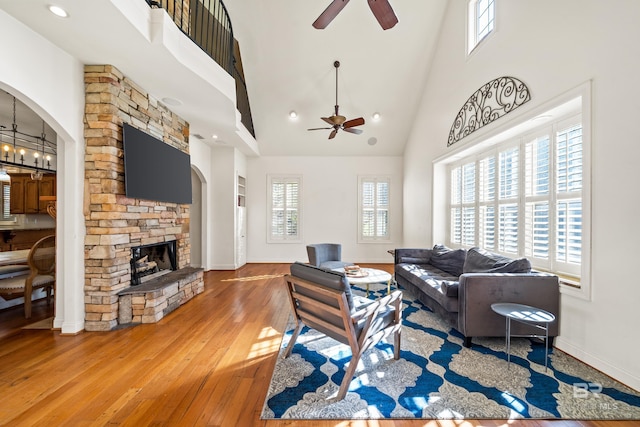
[572, 102]
[284, 178]
[472, 40]
[373, 178]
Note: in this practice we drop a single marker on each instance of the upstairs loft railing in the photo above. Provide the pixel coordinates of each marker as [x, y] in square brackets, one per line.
[207, 24]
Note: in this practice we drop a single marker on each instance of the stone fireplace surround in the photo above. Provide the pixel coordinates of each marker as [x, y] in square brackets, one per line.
[116, 223]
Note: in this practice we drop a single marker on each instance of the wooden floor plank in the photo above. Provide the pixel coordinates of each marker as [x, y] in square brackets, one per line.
[207, 363]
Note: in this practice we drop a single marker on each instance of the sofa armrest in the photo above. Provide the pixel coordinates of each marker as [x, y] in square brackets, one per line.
[415, 253]
[477, 291]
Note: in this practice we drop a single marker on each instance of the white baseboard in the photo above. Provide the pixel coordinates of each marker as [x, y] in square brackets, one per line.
[614, 372]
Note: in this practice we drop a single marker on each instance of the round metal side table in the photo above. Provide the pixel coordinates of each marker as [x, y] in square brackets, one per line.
[526, 314]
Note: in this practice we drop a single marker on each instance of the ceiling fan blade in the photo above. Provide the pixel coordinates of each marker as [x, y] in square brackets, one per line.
[329, 13]
[319, 128]
[353, 130]
[384, 13]
[353, 122]
[333, 133]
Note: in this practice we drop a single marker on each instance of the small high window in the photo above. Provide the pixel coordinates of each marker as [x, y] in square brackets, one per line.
[481, 21]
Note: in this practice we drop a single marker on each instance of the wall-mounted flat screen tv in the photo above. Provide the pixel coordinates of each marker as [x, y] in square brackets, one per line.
[154, 170]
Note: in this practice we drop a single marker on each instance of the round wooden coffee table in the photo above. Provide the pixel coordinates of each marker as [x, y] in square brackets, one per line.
[368, 276]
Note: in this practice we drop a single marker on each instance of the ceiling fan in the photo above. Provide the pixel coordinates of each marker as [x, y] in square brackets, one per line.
[337, 121]
[381, 9]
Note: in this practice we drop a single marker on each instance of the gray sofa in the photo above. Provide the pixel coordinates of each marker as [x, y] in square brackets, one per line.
[460, 285]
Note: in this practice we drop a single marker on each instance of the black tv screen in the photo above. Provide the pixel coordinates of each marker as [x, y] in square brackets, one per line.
[154, 170]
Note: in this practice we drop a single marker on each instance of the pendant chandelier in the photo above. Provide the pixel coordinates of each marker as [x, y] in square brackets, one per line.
[23, 150]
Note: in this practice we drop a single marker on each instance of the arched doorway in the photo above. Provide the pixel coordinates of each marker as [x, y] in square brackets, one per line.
[195, 222]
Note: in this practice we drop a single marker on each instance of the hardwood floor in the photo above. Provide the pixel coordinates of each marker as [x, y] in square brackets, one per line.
[207, 363]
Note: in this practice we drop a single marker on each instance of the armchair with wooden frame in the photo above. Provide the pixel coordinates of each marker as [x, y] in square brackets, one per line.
[41, 274]
[321, 299]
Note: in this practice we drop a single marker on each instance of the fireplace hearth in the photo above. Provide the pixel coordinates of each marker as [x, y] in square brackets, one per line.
[151, 261]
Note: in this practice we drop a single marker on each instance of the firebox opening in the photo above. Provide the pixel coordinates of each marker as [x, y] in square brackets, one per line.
[151, 261]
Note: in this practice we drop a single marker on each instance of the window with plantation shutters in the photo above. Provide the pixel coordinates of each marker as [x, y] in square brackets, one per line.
[524, 198]
[284, 209]
[373, 209]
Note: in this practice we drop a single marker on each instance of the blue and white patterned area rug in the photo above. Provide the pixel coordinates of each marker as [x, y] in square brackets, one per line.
[437, 378]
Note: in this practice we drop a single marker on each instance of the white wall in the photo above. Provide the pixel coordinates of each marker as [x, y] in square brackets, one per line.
[329, 206]
[25, 78]
[554, 46]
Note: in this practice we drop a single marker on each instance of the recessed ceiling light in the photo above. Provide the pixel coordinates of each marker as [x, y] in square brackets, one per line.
[214, 136]
[58, 11]
[293, 114]
[172, 101]
[375, 117]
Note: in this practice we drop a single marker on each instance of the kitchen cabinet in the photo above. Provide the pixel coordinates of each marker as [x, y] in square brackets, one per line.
[17, 239]
[25, 193]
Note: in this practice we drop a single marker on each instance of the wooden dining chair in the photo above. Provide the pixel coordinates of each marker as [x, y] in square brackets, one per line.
[42, 264]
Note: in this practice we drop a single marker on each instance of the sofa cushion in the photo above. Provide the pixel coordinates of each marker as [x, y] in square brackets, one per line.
[449, 260]
[480, 261]
[413, 260]
[429, 280]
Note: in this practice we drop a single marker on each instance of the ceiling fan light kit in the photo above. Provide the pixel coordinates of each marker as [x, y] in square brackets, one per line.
[381, 9]
[337, 121]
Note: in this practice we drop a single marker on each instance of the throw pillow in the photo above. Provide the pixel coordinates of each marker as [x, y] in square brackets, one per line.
[449, 288]
[480, 261]
[451, 261]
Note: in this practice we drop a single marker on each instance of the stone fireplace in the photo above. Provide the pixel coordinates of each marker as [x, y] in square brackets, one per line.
[115, 224]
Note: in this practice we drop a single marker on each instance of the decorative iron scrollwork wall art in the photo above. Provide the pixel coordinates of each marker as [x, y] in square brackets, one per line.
[492, 101]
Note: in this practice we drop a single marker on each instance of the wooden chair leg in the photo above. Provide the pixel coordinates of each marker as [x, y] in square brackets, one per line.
[27, 305]
[348, 375]
[396, 344]
[293, 339]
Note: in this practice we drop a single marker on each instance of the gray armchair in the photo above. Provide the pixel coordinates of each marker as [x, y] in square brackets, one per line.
[326, 255]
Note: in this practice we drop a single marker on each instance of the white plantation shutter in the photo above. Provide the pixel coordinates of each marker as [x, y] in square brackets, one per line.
[569, 232]
[569, 198]
[6, 201]
[537, 230]
[508, 174]
[508, 228]
[486, 199]
[291, 209]
[508, 190]
[537, 165]
[284, 224]
[374, 208]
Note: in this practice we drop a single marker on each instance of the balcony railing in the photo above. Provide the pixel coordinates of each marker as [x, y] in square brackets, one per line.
[207, 24]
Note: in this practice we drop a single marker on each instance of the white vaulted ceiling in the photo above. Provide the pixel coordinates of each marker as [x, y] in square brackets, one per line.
[288, 65]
